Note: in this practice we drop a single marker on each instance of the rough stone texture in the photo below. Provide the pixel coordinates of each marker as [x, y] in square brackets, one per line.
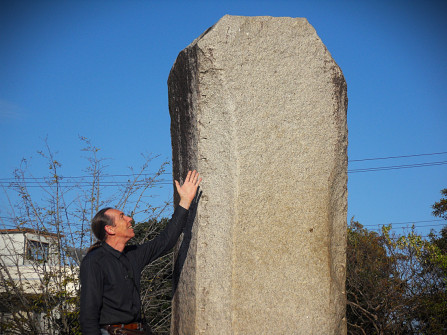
[258, 106]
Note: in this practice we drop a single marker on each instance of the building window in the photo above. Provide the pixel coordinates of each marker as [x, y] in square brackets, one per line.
[37, 251]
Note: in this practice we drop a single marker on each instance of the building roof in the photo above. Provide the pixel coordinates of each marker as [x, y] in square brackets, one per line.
[28, 230]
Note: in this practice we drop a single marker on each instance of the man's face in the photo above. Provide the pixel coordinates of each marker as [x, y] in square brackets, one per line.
[123, 224]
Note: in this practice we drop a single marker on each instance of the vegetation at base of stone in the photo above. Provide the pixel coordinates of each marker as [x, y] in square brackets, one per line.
[156, 280]
[39, 287]
[397, 284]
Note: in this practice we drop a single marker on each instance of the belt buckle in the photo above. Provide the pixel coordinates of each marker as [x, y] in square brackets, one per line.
[132, 326]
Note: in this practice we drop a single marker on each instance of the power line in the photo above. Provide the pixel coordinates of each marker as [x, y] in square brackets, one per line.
[393, 157]
[396, 238]
[397, 167]
[403, 223]
[415, 227]
[88, 176]
[84, 182]
[370, 225]
[100, 185]
[67, 182]
[5, 181]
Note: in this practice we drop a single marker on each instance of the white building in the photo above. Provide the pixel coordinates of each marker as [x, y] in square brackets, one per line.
[25, 246]
[31, 267]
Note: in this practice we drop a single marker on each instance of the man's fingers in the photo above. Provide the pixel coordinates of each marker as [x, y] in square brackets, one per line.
[198, 182]
[188, 176]
[191, 177]
[194, 176]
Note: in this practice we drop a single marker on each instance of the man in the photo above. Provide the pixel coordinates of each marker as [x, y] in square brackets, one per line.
[111, 271]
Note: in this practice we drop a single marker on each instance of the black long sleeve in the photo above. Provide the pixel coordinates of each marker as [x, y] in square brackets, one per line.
[110, 280]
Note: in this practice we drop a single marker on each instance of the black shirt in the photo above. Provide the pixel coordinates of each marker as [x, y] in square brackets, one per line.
[110, 280]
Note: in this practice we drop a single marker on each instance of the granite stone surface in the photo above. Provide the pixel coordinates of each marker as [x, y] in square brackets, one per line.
[258, 107]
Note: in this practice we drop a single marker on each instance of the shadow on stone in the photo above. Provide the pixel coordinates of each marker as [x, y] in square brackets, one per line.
[184, 247]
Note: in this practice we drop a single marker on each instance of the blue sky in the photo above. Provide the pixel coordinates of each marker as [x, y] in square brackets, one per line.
[99, 69]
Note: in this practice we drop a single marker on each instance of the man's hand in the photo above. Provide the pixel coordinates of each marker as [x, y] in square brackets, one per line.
[188, 190]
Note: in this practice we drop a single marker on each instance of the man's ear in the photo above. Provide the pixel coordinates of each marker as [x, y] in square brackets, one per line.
[109, 230]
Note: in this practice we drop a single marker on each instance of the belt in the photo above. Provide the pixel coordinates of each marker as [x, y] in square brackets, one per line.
[132, 326]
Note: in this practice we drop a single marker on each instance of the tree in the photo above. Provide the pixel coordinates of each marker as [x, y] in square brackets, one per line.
[60, 207]
[397, 284]
[374, 286]
[156, 279]
[440, 207]
[431, 313]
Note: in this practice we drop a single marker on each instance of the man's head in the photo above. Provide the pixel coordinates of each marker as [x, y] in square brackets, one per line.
[99, 221]
[122, 226]
[112, 223]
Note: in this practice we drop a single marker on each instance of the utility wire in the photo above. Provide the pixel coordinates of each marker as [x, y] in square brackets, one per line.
[371, 225]
[393, 157]
[415, 227]
[67, 181]
[62, 180]
[397, 167]
[100, 184]
[403, 223]
[89, 176]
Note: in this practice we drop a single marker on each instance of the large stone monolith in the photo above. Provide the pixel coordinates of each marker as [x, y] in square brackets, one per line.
[258, 107]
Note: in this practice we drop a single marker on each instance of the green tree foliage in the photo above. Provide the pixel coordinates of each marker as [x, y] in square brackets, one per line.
[156, 280]
[431, 313]
[397, 284]
[440, 207]
[374, 287]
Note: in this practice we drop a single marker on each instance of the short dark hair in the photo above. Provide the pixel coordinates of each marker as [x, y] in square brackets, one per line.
[99, 221]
